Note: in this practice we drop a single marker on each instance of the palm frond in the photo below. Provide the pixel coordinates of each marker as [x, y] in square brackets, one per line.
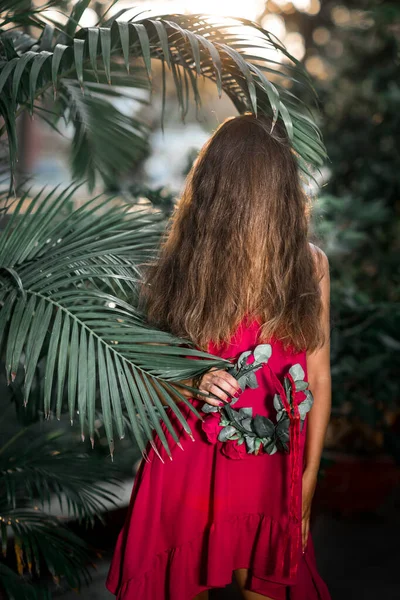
[245, 61]
[53, 268]
[21, 14]
[35, 470]
[48, 466]
[38, 538]
[98, 125]
[17, 588]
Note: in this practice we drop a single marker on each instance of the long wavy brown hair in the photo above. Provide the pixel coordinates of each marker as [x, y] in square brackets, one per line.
[237, 244]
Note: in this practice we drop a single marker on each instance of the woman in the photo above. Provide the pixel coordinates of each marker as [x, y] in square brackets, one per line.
[236, 275]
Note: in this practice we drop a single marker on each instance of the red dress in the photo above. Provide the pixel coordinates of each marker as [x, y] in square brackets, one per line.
[215, 507]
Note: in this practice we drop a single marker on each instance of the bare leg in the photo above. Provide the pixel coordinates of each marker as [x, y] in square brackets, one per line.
[241, 577]
[202, 596]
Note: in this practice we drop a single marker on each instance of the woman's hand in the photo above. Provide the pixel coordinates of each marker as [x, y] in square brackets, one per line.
[219, 383]
[309, 485]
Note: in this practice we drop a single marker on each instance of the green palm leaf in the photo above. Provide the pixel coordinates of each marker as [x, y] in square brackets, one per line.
[65, 265]
[46, 465]
[99, 125]
[32, 474]
[17, 588]
[39, 536]
[246, 62]
[63, 278]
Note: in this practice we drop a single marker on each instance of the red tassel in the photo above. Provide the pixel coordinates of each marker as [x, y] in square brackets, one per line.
[295, 471]
[294, 450]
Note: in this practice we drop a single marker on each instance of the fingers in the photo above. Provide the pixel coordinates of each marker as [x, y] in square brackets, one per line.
[210, 388]
[230, 381]
[221, 384]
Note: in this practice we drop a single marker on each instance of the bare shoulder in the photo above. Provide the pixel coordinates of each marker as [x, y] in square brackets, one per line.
[318, 360]
[321, 261]
[318, 251]
[322, 268]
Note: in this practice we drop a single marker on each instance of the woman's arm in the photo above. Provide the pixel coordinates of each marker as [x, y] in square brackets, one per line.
[319, 377]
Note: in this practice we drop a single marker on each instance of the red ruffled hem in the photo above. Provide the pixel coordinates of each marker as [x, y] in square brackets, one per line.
[252, 541]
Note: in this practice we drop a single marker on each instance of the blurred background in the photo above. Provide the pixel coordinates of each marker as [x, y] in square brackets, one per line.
[351, 50]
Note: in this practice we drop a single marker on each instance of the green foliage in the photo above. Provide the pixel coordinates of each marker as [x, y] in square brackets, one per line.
[160, 198]
[60, 277]
[245, 372]
[358, 216]
[69, 280]
[77, 66]
[99, 126]
[33, 470]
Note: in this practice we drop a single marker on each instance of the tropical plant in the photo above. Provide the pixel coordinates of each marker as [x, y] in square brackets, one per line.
[64, 269]
[70, 69]
[44, 467]
[60, 277]
[69, 278]
[360, 225]
[40, 460]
